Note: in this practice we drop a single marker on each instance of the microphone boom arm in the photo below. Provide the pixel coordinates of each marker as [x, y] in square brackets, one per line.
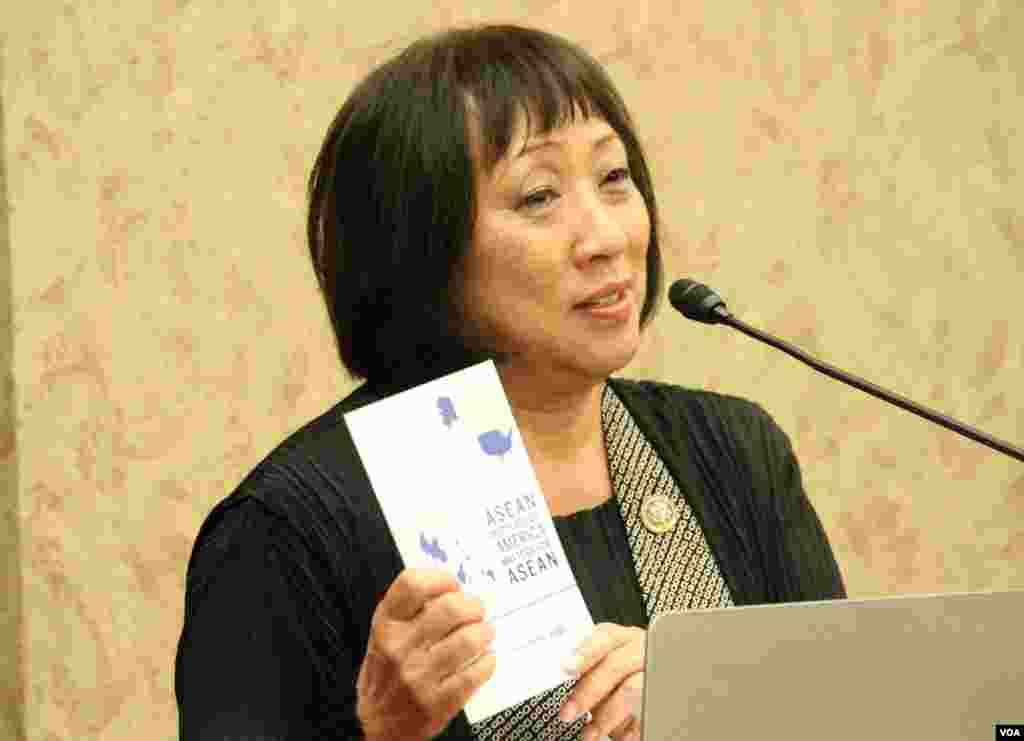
[725, 317]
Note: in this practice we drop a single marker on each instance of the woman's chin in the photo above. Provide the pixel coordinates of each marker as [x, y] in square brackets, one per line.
[601, 362]
[616, 364]
[593, 360]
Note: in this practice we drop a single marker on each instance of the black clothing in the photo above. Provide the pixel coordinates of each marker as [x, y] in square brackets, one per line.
[286, 571]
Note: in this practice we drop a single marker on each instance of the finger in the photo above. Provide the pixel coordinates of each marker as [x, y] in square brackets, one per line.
[457, 689]
[606, 637]
[604, 678]
[412, 589]
[445, 614]
[609, 714]
[628, 730]
[460, 649]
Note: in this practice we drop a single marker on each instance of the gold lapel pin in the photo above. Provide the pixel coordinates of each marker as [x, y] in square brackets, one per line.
[659, 513]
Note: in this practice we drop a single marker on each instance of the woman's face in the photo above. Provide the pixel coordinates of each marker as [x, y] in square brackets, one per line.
[556, 273]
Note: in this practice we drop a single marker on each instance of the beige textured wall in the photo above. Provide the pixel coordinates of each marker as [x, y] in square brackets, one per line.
[11, 701]
[847, 175]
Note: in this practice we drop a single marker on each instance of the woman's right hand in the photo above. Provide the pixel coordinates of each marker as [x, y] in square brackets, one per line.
[427, 655]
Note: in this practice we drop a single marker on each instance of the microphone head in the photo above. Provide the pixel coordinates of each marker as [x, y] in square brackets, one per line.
[696, 301]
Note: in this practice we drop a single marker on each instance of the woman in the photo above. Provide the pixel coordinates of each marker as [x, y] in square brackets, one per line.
[484, 195]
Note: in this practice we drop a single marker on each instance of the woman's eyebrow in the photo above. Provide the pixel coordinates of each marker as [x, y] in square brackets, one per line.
[610, 136]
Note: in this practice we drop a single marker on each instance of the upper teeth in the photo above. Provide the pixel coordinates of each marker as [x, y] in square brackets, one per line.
[608, 298]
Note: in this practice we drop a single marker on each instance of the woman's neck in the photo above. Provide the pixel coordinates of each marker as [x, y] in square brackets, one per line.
[558, 423]
[561, 428]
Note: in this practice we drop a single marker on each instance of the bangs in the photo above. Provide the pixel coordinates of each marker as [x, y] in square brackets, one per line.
[505, 78]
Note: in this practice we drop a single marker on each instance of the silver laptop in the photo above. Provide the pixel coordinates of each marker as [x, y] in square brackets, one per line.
[946, 667]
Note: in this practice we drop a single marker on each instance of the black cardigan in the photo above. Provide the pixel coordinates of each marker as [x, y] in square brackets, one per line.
[286, 572]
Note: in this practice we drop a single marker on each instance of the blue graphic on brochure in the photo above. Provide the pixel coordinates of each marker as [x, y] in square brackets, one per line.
[464, 572]
[494, 442]
[433, 549]
[447, 409]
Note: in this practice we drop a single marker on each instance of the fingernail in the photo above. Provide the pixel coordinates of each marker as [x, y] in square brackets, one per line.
[571, 664]
[569, 712]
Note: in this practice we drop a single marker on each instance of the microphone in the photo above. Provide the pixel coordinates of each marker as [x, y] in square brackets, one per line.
[698, 302]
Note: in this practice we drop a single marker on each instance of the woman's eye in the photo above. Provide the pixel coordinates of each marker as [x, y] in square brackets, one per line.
[537, 198]
[624, 174]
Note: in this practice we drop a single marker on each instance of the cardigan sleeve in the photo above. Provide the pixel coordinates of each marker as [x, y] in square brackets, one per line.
[797, 557]
[250, 658]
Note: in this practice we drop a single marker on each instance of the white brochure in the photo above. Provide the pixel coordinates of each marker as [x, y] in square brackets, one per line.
[452, 475]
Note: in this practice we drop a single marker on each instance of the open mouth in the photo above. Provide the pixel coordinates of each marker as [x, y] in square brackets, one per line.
[609, 304]
[608, 299]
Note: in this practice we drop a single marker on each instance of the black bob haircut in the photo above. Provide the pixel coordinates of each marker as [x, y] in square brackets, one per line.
[392, 192]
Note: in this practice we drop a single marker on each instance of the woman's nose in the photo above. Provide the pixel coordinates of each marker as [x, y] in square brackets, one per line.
[598, 230]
